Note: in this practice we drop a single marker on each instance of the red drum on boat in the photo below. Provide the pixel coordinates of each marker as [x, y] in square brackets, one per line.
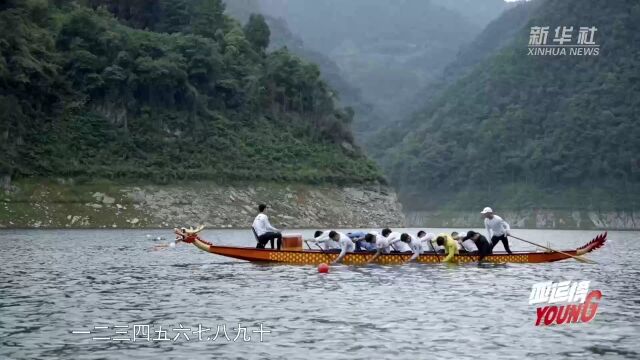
[292, 242]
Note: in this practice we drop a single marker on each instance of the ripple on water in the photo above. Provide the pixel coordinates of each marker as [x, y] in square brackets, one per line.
[55, 281]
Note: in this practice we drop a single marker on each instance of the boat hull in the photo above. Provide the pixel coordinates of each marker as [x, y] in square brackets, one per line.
[313, 257]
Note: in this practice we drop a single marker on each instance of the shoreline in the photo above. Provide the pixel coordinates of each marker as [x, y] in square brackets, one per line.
[294, 229]
[105, 205]
[223, 206]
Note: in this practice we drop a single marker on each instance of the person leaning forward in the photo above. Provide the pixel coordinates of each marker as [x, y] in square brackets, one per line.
[450, 247]
[483, 245]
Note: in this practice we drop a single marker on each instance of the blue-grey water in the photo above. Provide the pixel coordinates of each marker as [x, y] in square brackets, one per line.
[54, 282]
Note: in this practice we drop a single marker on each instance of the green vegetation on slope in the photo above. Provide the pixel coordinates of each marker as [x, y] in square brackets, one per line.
[558, 129]
[163, 90]
[281, 36]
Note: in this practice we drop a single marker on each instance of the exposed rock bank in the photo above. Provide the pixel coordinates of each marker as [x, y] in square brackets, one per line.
[65, 205]
[532, 219]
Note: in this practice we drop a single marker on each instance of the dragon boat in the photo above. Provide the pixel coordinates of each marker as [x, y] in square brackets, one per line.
[292, 252]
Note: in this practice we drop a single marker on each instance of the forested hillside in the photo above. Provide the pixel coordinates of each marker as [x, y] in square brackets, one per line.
[163, 90]
[520, 130]
[387, 49]
[282, 36]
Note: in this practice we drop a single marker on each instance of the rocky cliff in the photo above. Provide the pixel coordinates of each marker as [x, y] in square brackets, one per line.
[67, 205]
[532, 219]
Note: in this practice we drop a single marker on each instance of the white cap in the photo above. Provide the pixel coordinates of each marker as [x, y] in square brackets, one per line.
[486, 210]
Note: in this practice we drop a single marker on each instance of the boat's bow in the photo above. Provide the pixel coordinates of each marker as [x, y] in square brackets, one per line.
[592, 245]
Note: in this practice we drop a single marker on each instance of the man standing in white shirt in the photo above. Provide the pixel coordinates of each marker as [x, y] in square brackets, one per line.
[497, 229]
[346, 244]
[264, 231]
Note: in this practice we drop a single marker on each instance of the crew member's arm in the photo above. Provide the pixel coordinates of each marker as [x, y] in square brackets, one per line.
[486, 226]
[322, 238]
[342, 254]
[416, 253]
[393, 241]
[451, 252]
[378, 252]
[267, 225]
[506, 227]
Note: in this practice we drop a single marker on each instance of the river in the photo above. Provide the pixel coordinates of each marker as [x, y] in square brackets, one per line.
[57, 282]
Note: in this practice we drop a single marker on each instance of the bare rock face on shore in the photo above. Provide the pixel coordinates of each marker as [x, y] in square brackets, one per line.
[531, 219]
[293, 206]
[213, 205]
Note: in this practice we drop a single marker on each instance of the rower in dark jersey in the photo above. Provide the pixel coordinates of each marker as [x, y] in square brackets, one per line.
[484, 247]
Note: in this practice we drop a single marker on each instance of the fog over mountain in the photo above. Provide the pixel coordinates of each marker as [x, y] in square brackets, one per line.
[389, 50]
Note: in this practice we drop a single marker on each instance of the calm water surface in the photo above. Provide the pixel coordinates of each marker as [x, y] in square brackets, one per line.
[55, 282]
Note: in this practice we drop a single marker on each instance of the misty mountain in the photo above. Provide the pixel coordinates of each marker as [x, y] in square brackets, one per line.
[387, 49]
[282, 36]
[496, 35]
[519, 130]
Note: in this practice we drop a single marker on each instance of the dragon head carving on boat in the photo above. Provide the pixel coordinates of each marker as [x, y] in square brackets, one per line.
[188, 235]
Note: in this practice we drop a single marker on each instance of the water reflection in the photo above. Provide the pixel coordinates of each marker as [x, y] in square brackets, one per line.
[56, 281]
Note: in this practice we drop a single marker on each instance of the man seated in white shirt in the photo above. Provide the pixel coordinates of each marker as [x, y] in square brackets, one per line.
[346, 244]
[414, 243]
[325, 242]
[430, 239]
[369, 242]
[382, 245]
[264, 231]
[393, 238]
[467, 246]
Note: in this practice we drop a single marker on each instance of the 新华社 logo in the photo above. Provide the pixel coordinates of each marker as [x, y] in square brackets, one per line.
[576, 303]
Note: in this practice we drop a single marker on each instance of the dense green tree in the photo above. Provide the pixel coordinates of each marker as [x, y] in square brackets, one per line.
[208, 17]
[175, 16]
[31, 86]
[257, 32]
[85, 93]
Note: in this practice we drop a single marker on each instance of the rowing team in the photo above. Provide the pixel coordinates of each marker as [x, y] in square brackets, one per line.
[388, 241]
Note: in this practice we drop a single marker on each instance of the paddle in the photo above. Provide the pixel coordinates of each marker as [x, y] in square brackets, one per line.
[434, 250]
[322, 250]
[578, 258]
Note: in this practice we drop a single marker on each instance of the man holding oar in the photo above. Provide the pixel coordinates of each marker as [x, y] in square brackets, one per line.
[346, 244]
[497, 229]
[428, 238]
[393, 238]
[382, 244]
[322, 237]
[450, 247]
[414, 243]
[482, 244]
